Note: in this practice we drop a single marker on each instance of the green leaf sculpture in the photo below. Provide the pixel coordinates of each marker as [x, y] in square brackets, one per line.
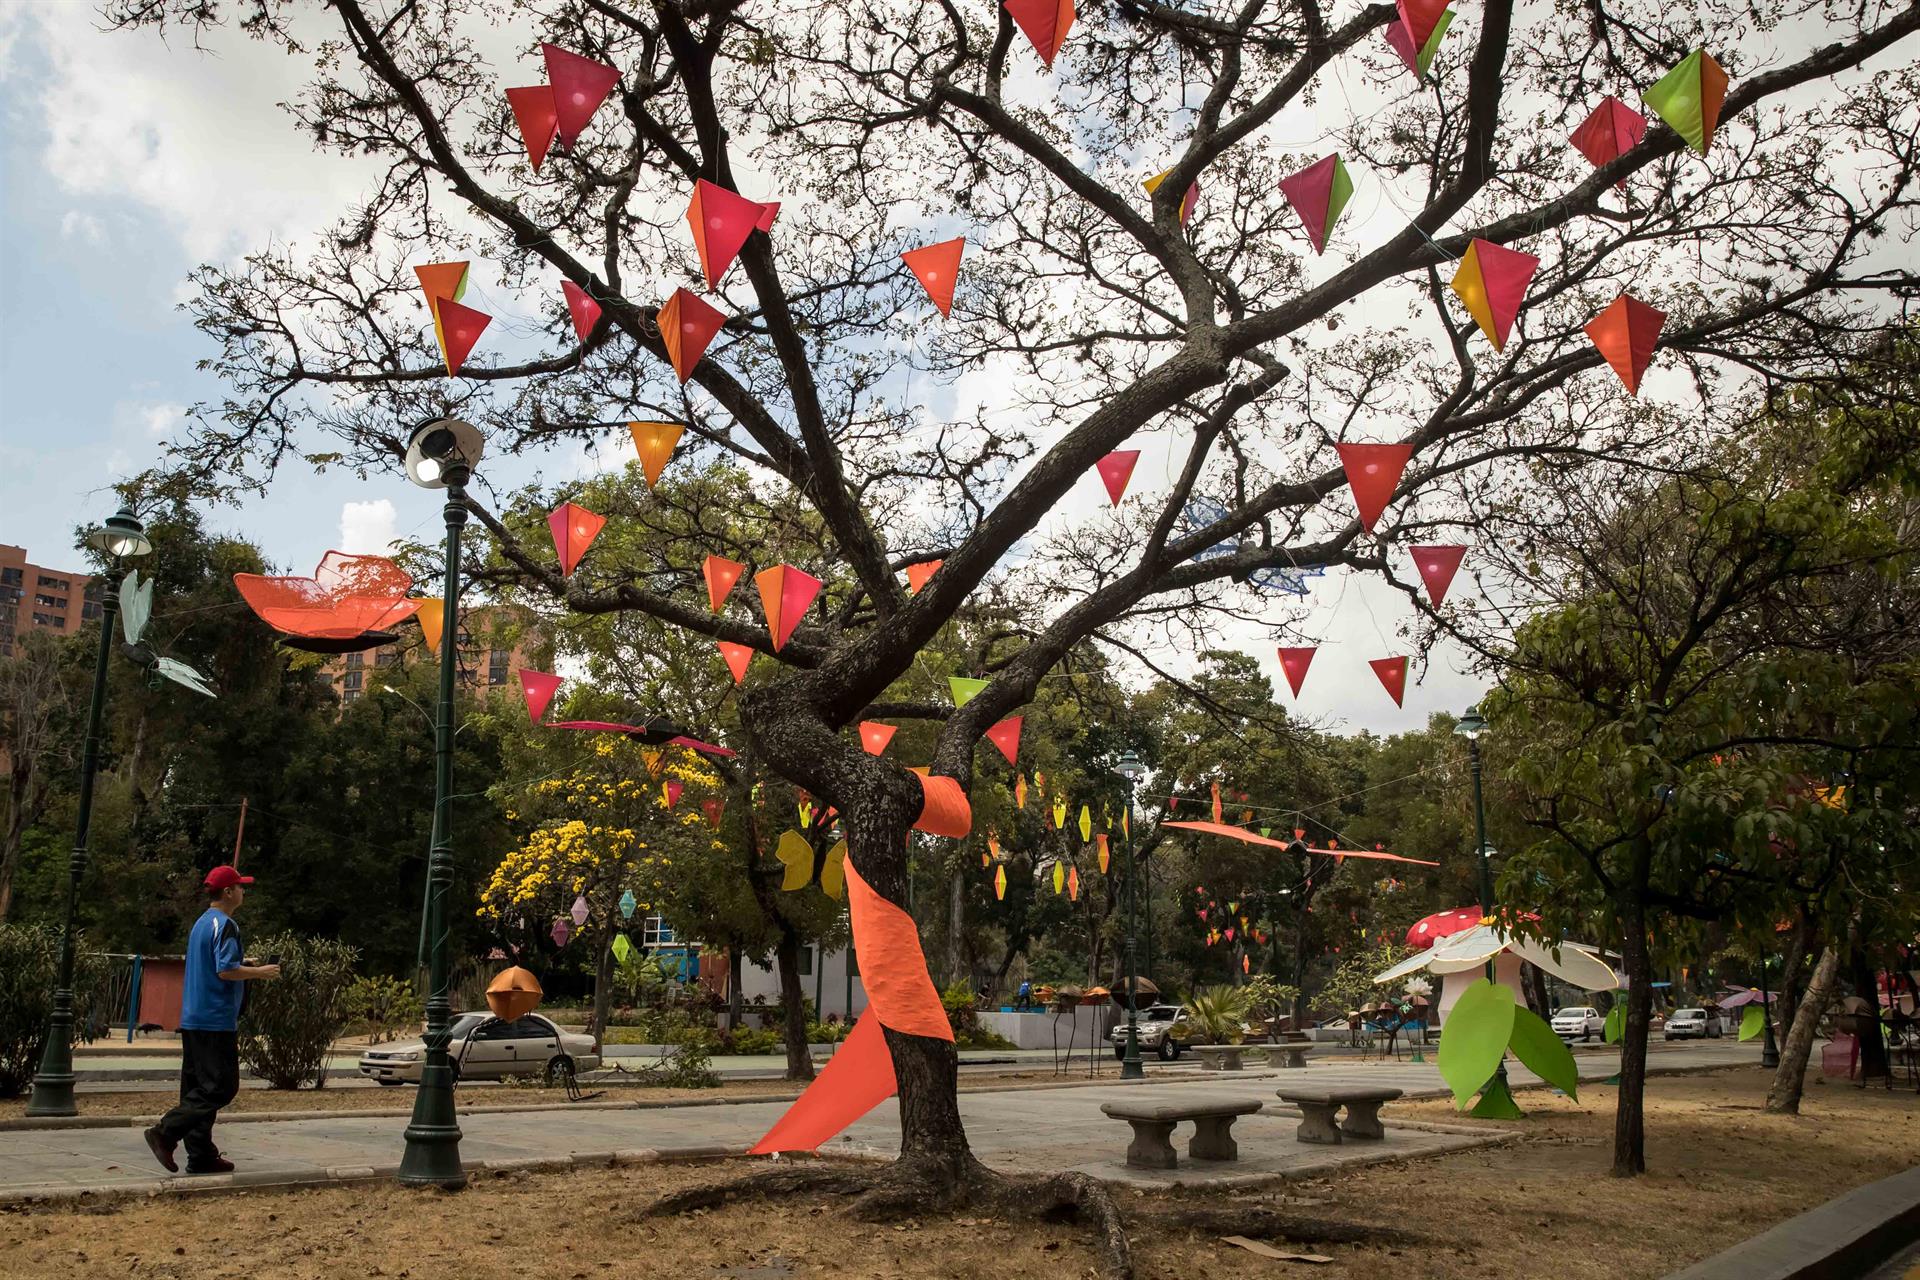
[1752, 1022]
[1542, 1052]
[1475, 1038]
[1616, 1025]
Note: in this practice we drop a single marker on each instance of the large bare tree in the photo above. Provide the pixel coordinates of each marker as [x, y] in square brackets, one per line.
[1088, 313]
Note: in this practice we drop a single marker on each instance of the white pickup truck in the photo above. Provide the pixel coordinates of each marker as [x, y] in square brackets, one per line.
[1582, 1021]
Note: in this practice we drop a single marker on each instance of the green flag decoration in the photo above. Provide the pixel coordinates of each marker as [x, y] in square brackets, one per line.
[965, 689]
[1543, 1052]
[1689, 98]
[1475, 1038]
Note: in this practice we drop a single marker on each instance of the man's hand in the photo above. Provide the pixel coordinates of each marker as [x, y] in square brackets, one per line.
[250, 972]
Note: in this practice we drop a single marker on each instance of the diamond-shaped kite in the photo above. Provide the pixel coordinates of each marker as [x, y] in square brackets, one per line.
[1006, 736]
[654, 442]
[937, 267]
[1437, 565]
[537, 117]
[720, 573]
[687, 326]
[562, 930]
[721, 221]
[627, 903]
[579, 910]
[1492, 281]
[1373, 473]
[1689, 98]
[738, 656]
[1000, 882]
[584, 310]
[622, 948]
[1318, 193]
[1418, 57]
[1610, 132]
[574, 528]
[785, 594]
[1420, 18]
[580, 85]
[1626, 333]
[1188, 202]
[1393, 677]
[1294, 662]
[1115, 470]
[1045, 23]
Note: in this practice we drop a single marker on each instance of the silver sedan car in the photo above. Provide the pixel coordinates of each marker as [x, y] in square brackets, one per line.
[485, 1048]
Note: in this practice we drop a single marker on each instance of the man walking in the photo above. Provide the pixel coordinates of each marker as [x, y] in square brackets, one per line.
[211, 996]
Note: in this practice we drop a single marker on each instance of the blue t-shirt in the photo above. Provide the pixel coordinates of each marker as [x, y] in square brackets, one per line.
[209, 1002]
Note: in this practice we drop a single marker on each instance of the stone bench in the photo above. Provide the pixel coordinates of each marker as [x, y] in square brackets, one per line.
[1226, 1057]
[1153, 1122]
[1289, 1055]
[1319, 1106]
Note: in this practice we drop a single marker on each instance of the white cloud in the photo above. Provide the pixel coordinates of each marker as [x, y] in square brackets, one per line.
[367, 528]
[160, 419]
[76, 225]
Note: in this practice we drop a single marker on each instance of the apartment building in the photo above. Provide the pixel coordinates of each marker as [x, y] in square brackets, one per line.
[32, 595]
[495, 640]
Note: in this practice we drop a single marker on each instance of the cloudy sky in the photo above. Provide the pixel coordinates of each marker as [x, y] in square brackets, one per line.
[125, 162]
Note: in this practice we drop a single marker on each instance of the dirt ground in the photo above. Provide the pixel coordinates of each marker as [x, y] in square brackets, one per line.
[153, 1102]
[1537, 1208]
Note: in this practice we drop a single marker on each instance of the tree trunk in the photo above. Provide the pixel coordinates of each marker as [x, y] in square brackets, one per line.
[735, 976]
[1791, 1076]
[1533, 980]
[1629, 1120]
[793, 1001]
[1873, 1043]
[602, 989]
[956, 923]
[1799, 944]
[25, 797]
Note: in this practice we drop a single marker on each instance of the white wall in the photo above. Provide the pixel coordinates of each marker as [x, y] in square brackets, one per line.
[827, 985]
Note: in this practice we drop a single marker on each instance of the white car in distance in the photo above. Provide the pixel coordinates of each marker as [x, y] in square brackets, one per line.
[1582, 1021]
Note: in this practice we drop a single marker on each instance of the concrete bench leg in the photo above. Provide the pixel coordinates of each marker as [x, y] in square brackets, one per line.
[1316, 1124]
[1231, 1061]
[1152, 1145]
[1213, 1139]
[1363, 1121]
[1294, 1058]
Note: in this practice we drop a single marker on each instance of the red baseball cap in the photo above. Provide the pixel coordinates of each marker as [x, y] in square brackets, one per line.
[225, 877]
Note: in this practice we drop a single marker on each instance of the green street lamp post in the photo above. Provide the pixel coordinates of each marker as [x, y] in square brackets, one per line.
[1769, 1047]
[441, 455]
[1496, 1099]
[122, 538]
[1132, 770]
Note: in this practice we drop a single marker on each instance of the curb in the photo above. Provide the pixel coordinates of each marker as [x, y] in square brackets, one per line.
[1845, 1237]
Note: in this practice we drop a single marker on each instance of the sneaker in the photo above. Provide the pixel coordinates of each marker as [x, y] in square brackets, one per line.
[162, 1149]
[218, 1164]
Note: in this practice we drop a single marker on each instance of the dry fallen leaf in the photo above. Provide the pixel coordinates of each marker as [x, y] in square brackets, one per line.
[1265, 1250]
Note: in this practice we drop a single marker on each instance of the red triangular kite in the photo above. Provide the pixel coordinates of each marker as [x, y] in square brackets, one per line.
[1437, 565]
[1295, 661]
[687, 325]
[721, 573]
[584, 310]
[458, 329]
[1610, 132]
[1626, 333]
[538, 688]
[1045, 24]
[721, 221]
[918, 575]
[785, 594]
[670, 791]
[1115, 470]
[1492, 282]
[937, 266]
[574, 528]
[875, 736]
[737, 656]
[1393, 677]
[537, 118]
[1419, 17]
[1006, 736]
[1373, 473]
[580, 85]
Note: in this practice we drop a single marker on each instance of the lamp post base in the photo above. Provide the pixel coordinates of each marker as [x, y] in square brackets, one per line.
[52, 1095]
[1132, 1069]
[432, 1157]
[53, 1083]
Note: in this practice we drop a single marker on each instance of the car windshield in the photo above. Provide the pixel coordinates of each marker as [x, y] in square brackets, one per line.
[1161, 1013]
[465, 1023]
[1690, 1015]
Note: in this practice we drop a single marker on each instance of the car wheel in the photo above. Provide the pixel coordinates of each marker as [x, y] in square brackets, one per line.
[1168, 1051]
[558, 1068]
[390, 1084]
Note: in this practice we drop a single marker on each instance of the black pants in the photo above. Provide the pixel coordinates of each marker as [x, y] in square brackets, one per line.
[209, 1077]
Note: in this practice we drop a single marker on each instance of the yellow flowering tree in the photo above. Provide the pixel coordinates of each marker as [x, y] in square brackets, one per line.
[614, 823]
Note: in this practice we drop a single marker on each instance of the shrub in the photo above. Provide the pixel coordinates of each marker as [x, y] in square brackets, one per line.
[289, 1021]
[29, 961]
[381, 1007]
[755, 1040]
[826, 1032]
[1217, 1013]
[962, 1008]
[689, 1066]
[981, 1038]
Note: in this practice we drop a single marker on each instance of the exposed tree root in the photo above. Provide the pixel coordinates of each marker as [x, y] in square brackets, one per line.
[763, 1184]
[1263, 1223]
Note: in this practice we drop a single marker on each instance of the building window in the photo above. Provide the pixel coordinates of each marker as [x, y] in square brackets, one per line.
[386, 656]
[50, 602]
[353, 682]
[11, 578]
[806, 962]
[90, 610]
[351, 695]
[355, 661]
[497, 666]
[58, 584]
[656, 932]
[49, 620]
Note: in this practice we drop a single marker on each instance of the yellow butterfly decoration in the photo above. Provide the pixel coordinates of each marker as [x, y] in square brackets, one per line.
[796, 855]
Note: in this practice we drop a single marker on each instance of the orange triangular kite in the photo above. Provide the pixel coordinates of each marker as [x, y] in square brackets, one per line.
[937, 266]
[574, 528]
[919, 574]
[1045, 24]
[687, 325]
[442, 280]
[737, 656]
[785, 594]
[1626, 333]
[654, 442]
[431, 616]
[1373, 473]
[721, 573]
[875, 736]
[858, 1078]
